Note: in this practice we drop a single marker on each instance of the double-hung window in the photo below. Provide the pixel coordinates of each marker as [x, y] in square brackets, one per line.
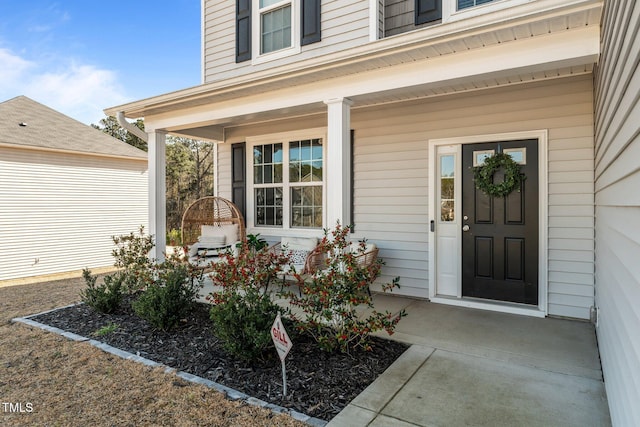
[305, 181]
[267, 30]
[447, 11]
[276, 29]
[465, 4]
[268, 184]
[275, 25]
[456, 10]
[288, 183]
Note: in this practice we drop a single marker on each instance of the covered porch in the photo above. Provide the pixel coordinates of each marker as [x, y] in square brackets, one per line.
[482, 368]
[382, 114]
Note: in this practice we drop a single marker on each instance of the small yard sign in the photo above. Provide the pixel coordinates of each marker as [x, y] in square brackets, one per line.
[280, 338]
[283, 345]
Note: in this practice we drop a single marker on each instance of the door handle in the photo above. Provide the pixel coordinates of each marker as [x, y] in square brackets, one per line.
[465, 227]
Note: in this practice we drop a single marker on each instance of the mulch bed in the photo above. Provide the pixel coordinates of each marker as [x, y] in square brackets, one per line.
[319, 384]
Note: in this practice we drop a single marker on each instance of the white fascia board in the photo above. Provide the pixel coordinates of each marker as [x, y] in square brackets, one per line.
[548, 52]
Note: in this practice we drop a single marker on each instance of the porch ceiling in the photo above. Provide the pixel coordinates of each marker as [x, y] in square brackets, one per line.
[534, 20]
[215, 131]
[426, 91]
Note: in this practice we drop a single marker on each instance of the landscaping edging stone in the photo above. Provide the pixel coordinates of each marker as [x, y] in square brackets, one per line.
[228, 392]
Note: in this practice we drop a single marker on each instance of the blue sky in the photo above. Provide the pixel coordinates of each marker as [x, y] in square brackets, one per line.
[81, 56]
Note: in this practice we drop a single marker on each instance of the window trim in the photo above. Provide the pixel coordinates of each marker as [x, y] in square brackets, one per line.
[285, 138]
[450, 12]
[256, 33]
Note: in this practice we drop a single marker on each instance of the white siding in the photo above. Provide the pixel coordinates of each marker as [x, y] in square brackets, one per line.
[618, 209]
[391, 196]
[391, 193]
[59, 211]
[345, 24]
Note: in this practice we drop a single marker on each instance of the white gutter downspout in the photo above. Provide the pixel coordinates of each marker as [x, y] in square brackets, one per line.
[131, 128]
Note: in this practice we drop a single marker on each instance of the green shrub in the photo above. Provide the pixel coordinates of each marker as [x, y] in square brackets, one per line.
[132, 257]
[170, 297]
[333, 295]
[106, 297]
[244, 322]
[243, 312]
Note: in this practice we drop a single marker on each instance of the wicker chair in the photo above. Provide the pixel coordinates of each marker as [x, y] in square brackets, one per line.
[317, 259]
[211, 226]
[210, 211]
[306, 246]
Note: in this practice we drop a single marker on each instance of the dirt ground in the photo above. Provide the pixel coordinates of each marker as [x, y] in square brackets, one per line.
[47, 380]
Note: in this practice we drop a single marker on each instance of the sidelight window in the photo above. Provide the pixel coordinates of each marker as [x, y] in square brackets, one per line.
[447, 188]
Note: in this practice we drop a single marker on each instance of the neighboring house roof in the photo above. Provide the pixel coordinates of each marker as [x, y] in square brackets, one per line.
[29, 124]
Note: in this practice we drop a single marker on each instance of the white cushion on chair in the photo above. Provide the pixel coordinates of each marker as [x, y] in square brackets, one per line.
[299, 243]
[298, 257]
[204, 249]
[229, 231]
[298, 249]
[213, 241]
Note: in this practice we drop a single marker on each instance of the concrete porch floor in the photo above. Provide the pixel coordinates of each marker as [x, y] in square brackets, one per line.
[470, 367]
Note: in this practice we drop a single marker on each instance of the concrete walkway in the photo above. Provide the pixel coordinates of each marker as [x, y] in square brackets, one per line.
[470, 367]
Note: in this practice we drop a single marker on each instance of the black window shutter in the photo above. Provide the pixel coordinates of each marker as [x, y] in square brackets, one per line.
[310, 22]
[238, 177]
[243, 30]
[428, 11]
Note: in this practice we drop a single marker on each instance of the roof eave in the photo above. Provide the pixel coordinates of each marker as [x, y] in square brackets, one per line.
[82, 153]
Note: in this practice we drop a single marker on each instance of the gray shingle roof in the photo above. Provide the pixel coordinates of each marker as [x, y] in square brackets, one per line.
[49, 129]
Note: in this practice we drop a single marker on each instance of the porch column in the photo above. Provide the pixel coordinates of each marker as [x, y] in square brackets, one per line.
[157, 193]
[338, 164]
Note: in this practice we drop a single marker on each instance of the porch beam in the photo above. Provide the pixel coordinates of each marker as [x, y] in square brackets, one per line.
[548, 52]
[338, 164]
[157, 192]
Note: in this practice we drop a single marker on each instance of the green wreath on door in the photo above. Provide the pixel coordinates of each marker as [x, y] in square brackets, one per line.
[513, 177]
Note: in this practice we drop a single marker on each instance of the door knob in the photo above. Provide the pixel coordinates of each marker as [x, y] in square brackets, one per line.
[465, 227]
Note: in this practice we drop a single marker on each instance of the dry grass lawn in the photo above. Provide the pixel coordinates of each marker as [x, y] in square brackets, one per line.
[69, 383]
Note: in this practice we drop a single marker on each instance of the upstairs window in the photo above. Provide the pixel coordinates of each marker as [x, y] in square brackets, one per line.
[275, 25]
[466, 4]
[271, 29]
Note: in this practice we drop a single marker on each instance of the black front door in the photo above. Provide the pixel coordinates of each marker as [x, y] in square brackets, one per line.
[500, 235]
